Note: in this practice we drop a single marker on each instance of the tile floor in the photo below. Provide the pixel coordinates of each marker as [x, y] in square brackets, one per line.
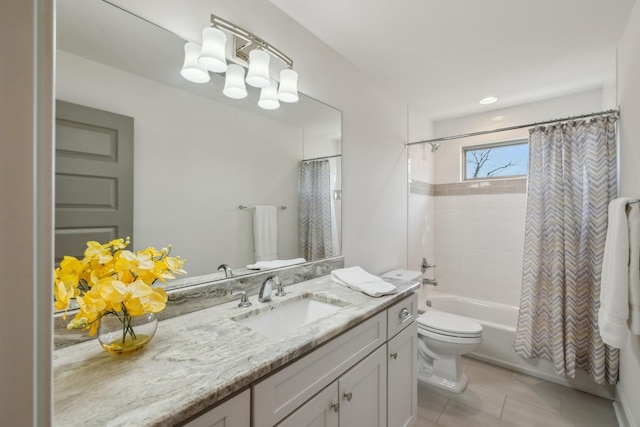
[500, 397]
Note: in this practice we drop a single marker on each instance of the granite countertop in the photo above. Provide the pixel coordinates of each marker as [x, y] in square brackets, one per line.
[195, 360]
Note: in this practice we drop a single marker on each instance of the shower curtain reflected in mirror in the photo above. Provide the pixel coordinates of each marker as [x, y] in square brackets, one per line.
[318, 231]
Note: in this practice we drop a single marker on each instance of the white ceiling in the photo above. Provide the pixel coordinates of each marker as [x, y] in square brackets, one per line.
[442, 56]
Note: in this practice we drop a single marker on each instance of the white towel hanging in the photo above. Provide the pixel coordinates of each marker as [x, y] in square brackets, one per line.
[620, 284]
[265, 233]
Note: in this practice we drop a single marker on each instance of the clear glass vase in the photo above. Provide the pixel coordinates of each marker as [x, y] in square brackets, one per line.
[121, 333]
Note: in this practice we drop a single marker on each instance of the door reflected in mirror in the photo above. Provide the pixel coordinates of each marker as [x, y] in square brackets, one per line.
[198, 155]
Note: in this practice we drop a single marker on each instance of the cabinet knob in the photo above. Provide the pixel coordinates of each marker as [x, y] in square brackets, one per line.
[404, 313]
[394, 355]
[335, 407]
[348, 396]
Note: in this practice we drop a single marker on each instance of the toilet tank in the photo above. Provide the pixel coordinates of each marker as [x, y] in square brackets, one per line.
[406, 275]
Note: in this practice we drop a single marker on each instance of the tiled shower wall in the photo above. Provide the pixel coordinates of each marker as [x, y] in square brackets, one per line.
[479, 236]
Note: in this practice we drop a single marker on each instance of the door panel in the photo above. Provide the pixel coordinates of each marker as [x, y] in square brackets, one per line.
[94, 177]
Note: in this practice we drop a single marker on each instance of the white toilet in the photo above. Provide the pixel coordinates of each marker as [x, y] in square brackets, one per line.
[442, 339]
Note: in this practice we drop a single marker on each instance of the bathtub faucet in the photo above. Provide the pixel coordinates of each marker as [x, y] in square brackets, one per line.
[433, 282]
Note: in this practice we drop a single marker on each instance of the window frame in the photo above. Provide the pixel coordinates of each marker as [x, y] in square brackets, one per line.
[509, 142]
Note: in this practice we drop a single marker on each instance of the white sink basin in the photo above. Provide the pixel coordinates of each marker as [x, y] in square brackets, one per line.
[282, 318]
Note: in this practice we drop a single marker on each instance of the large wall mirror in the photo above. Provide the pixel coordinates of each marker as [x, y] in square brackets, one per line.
[197, 154]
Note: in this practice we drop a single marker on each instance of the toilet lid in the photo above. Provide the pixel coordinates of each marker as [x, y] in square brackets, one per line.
[449, 324]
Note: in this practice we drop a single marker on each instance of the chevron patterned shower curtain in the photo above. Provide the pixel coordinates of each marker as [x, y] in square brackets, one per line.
[316, 210]
[572, 178]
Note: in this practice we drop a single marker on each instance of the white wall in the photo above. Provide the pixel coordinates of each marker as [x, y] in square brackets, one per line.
[26, 177]
[628, 388]
[195, 161]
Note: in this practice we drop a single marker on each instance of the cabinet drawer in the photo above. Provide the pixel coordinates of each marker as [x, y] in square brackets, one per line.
[281, 393]
[401, 314]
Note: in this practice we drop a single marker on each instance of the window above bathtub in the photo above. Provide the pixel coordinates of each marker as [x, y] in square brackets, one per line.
[506, 159]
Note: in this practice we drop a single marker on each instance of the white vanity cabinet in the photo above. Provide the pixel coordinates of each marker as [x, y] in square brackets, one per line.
[357, 398]
[234, 412]
[364, 377]
[280, 394]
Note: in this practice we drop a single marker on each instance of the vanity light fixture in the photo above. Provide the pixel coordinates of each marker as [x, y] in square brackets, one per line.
[488, 100]
[248, 51]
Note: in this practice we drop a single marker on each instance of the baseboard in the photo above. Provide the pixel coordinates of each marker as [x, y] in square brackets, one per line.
[621, 407]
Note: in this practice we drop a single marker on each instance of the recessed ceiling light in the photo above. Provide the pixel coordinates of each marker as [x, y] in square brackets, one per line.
[497, 118]
[488, 100]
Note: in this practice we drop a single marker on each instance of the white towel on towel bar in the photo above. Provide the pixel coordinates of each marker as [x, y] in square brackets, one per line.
[620, 284]
[278, 263]
[265, 233]
[358, 279]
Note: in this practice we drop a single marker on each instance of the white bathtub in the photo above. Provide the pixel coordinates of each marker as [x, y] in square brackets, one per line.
[498, 332]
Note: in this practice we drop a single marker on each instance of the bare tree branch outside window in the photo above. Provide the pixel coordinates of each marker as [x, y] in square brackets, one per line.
[498, 161]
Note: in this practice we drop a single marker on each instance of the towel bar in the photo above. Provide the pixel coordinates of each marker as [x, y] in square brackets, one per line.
[251, 207]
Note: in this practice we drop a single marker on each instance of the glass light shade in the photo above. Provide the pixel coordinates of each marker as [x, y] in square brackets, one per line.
[258, 74]
[191, 70]
[234, 82]
[213, 54]
[288, 89]
[269, 97]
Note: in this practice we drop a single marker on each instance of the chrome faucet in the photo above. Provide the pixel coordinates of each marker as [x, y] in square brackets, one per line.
[265, 289]
[227, 270]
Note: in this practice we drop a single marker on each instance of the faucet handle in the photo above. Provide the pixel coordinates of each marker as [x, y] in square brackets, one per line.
[244, 299]
[425, 265]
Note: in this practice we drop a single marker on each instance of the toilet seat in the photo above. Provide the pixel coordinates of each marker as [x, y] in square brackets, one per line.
[447, 324]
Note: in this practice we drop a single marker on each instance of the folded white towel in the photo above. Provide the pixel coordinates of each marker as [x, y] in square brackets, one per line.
[268, 265]
[358, 279]
[620, 276]
[265, 233]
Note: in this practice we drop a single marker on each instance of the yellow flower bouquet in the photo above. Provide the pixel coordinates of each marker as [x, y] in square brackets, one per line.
[111, 280]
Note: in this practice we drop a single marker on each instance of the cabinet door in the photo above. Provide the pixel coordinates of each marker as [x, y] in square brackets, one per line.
[402, 385]
[278, 395]
[363, 392]
[235, 412]
[320, 411]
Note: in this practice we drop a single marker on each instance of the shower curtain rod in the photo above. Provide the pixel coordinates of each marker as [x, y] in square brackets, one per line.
[320, 158]
[485, 132]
